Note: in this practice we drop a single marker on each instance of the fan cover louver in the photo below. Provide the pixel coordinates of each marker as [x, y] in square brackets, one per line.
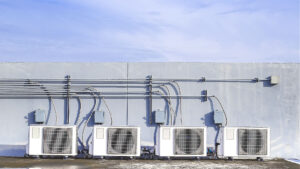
[57, 140]
[252, 141]
[122, 141]
[189, 141]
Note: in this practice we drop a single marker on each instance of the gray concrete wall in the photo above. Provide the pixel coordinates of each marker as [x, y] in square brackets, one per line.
[246, 104]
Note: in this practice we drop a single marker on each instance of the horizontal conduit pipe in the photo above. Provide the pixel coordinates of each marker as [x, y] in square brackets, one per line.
[128, 80]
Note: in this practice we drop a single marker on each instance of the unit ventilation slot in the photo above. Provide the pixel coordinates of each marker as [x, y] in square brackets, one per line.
[252, 141]
[57, 140]
[122, 141]
[189, 141]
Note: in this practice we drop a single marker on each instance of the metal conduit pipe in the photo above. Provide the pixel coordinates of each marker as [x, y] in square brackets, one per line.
[32, 90]
[72, 87]
[125, 79]
[106, 96]
[64, 92]
[58, 84]
[57, 90]
[60, 88]
[46, 81]
[63, 85]
[33, 81]
[134, 80]
[38, 91]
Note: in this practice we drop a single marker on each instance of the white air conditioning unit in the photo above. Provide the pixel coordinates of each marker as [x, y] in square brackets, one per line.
[181, 142]
[246, 142]
[52, 140]
[115, 141]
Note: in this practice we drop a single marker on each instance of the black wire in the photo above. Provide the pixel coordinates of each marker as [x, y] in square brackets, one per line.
[217, 143]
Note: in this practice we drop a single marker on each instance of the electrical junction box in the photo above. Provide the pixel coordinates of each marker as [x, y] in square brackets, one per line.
[274, 80]
[39, 116]
[219, 117]
[99, 117]
[159, 117]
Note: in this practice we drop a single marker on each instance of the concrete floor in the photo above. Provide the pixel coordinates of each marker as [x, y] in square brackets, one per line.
[9, 162]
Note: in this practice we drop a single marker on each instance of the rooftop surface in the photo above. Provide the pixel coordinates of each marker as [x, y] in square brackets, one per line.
[10, 162]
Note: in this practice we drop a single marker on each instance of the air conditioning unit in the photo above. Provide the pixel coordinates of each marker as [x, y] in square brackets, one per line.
[52, 140]
[115, 141]
[246, 142]
[181, 142]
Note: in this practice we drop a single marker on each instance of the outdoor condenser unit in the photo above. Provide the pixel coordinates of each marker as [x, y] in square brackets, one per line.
[52, 140]
[115, 141]
[246, 142]
[181, 142]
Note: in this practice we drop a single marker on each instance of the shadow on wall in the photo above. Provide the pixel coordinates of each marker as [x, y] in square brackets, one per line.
[209, 117]
[89, 118]
[30, 118]
[267, 83]
[12, 150]
[209, 120]
[31, 115]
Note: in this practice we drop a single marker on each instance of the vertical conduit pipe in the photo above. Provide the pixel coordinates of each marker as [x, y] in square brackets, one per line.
[150, 98]
[68, 99]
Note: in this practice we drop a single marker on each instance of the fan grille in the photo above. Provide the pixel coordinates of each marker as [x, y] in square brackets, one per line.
[189, 141]
[57, 140]
[122, 141]
[252, 141]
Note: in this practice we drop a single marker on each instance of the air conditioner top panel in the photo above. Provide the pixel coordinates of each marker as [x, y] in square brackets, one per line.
[58, 126]
[100, 126]
[245, 127]
[183, 127]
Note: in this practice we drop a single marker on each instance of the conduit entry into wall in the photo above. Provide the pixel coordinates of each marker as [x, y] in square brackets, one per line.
[68, 88]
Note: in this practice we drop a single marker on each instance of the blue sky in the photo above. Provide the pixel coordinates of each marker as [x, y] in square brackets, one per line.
[149, 30]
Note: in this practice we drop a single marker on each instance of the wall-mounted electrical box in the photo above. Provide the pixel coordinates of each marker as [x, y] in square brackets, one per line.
[39, 116]
[159, 117]
[274, 80]
[99, 117]
[219, 117]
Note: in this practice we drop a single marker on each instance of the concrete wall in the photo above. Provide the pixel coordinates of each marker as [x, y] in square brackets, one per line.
[246, 104]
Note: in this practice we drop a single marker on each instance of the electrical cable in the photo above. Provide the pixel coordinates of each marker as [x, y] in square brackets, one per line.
[79, 111]
[54, 109]
[86, 122]
[170, 103]
[221, 107]
[110, 114]
[41, 86]
[180, 102]
[105, 103]
[93, 111]
[166, 97]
